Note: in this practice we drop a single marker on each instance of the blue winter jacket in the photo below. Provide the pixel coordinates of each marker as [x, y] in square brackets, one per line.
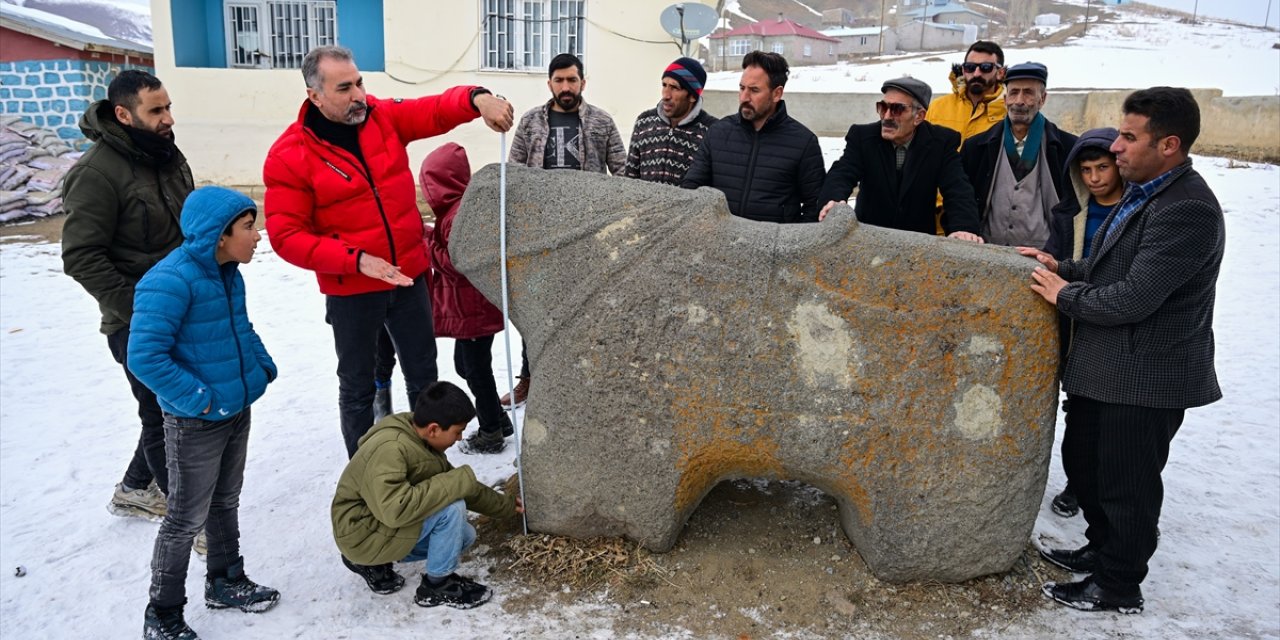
[190, 340]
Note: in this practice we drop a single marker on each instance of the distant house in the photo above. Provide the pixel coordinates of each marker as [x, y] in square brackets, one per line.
[918, 35]
[52, 68]
[945, 12]
[799, 44]
[839, 17]
[863, 40]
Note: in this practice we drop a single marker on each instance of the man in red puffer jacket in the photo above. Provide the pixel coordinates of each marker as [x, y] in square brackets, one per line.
[340, 202]
[459, 310]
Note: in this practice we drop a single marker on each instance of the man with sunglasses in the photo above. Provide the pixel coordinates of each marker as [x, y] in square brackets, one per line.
[1017, 168]
[977, 102]
[899, 163]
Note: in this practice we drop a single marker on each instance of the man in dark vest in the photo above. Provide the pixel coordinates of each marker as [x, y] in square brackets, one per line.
[1017, 167]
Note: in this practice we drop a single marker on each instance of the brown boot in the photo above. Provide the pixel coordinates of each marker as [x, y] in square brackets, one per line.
[522, 394]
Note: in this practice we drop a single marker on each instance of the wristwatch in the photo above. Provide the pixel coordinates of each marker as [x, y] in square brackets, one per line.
[477, 92]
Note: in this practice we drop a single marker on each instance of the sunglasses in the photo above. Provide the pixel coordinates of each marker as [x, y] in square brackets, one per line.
[986, 67]
[894, 109]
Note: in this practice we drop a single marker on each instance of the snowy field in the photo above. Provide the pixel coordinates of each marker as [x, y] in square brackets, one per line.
[1140, 51]
[66, 432]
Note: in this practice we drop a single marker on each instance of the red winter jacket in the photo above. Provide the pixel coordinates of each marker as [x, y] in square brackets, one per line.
[458, 309]
[320, 210]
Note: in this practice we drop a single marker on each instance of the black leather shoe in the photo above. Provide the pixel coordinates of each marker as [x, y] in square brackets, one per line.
[1086, 595]
[381, 578]
[1082, 560]
[1065, 503]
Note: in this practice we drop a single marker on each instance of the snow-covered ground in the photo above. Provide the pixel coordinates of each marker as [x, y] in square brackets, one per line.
[1140, 51]
[66, 432]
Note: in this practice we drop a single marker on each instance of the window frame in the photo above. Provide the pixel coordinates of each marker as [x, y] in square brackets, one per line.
[318, 21]
[527, 34]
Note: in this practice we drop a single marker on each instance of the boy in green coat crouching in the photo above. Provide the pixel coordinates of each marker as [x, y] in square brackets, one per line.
[399, 500]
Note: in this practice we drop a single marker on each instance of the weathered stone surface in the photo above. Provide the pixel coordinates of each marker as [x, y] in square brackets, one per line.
[674, 346]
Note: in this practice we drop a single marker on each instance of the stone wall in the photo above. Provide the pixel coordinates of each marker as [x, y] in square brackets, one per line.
[1245, 127]
[54, 93]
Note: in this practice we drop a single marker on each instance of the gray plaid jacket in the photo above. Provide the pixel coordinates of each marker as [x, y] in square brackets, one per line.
[1143, 302]
[599, 143]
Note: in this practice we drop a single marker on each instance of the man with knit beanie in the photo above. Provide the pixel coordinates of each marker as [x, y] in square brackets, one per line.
[665, 138]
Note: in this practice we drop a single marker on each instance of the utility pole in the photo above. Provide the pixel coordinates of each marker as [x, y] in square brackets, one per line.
[1086, 16]
[1195, 11]
[1267, 20]
[880, 38]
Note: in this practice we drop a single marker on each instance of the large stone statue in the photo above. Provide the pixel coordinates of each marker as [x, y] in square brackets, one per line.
[909, 377]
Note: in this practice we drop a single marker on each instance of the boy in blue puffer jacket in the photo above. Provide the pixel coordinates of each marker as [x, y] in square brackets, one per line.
[193, 345]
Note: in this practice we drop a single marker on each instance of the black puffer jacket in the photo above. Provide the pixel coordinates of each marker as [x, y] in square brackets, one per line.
[772, 175]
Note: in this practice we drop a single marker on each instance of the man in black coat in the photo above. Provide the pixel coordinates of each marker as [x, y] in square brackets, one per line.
[1017, 167]
[1142, 353]
[900, 164]
[768, 166]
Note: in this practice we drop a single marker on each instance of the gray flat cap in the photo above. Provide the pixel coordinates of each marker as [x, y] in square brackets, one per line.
[912, 87]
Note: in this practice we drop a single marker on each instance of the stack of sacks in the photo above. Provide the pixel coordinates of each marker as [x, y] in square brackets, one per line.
[33, 163]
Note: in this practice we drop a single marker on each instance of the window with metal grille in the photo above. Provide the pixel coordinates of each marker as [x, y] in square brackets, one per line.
[739, 47]
[525, 34]
[277, 34]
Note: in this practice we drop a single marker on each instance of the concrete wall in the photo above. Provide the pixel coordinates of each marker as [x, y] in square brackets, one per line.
[227, 119]
[1240, 127]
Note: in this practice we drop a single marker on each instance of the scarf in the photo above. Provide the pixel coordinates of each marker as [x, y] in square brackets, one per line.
[160, 149]
[1024, 164]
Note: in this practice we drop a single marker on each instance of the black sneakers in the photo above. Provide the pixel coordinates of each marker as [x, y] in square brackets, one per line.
[1086, 595]
[166, 623]
[456, 591]
[1065, 503]
[237, 591]
[381, 578]
[1082, 560]
[481, 442]
[381, 403]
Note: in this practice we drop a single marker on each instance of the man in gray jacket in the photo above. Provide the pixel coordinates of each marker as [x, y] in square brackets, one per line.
[566, 132]
[123, 199]
[1142, 353]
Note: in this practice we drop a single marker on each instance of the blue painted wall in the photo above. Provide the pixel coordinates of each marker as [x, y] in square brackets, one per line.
[199, 33]
[55, 93]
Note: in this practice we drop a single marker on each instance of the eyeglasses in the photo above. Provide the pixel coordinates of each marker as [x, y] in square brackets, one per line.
[986, 67]
[893, 108]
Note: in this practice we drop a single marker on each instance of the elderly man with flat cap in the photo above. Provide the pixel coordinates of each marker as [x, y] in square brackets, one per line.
[1017, 167]
[899, 164]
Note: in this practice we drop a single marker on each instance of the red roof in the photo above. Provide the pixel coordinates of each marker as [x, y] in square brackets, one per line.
[766, 28]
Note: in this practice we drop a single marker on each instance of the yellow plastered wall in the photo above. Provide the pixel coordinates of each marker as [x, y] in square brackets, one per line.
[227, 119]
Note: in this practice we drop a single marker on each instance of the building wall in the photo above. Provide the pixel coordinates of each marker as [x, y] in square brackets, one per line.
[924, 36]
[54, 93]
[227, 119]
[15, 46]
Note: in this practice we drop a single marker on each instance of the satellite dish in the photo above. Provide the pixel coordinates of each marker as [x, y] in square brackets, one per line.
[687, 21]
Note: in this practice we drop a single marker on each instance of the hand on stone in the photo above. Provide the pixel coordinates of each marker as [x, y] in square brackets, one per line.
[822, 215]
[1045, 259]
[380, 269]
[1047, 284]
[519, 505]
[966, 236]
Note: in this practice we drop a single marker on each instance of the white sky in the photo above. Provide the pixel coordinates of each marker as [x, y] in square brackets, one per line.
[1246, 11]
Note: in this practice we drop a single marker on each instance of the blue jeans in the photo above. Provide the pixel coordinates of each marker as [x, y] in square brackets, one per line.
[206, 470]
[445, 535]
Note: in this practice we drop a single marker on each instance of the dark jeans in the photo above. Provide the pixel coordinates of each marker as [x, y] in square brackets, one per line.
[384, 361]
[524, 359]
[356, 321]
[206, 471]
[1113, 455]
[148, 457]
[474, 362]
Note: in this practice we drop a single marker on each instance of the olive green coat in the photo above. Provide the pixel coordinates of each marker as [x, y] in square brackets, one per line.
[390, 487]
[123, 213]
